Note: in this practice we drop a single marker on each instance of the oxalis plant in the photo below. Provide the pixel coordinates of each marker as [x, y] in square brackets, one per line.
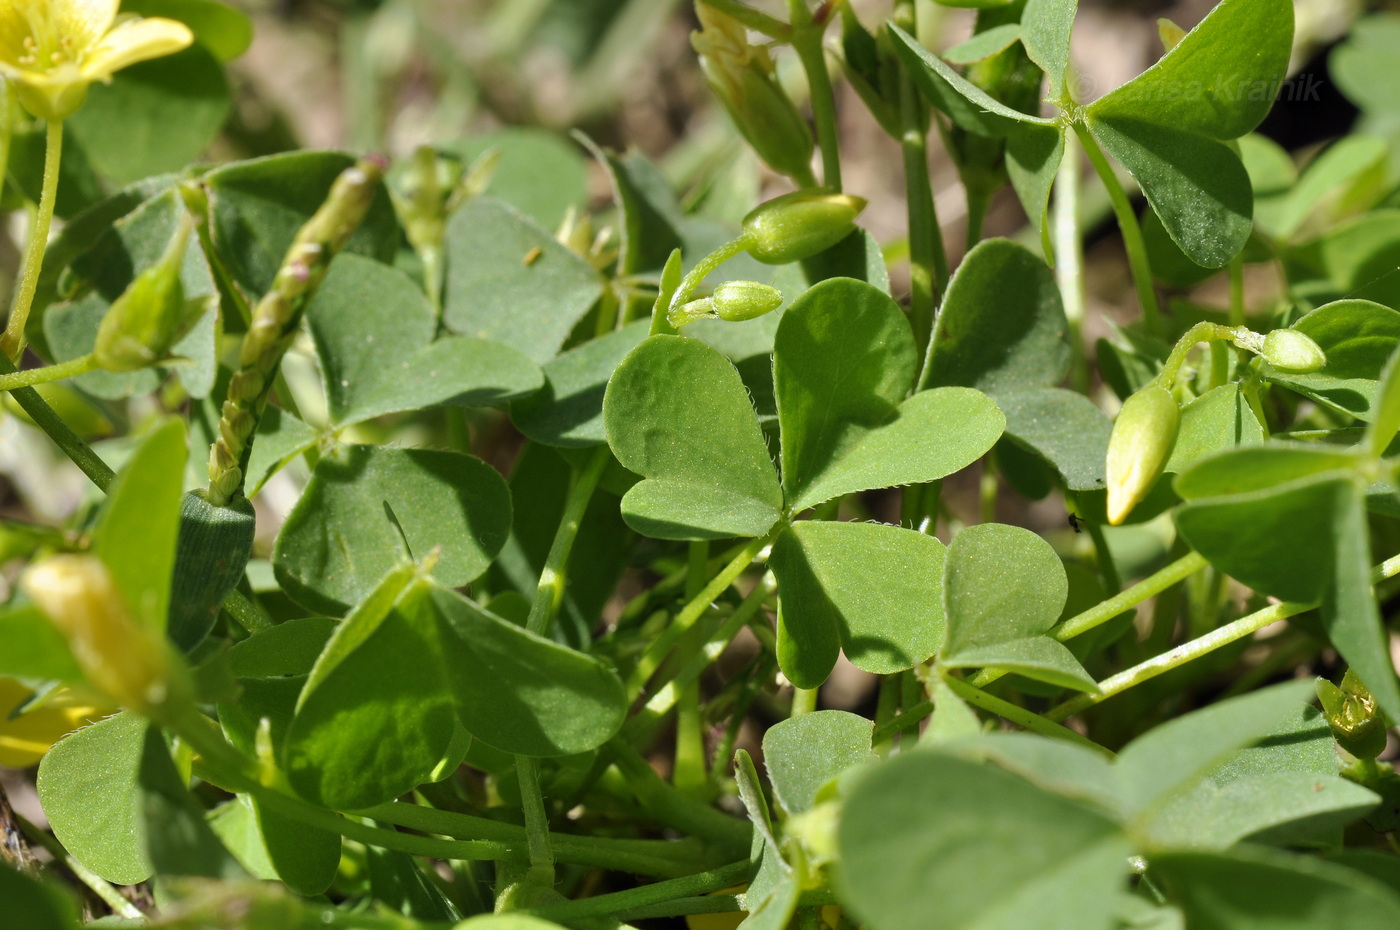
[444, 697]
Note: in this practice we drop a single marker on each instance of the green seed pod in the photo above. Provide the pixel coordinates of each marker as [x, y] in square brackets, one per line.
[1139, 447]
[743, 78]
[152, 314]
[1351, 711]
[797, 225]
[210, 557]
[736, 301]
[1290, 350]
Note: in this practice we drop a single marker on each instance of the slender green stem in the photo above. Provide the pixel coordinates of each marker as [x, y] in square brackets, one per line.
[1175, 658]
[1201, 332]
[99, 885]
[604, 904]
[693, 663]
[1019, 715]
[536, 822]
[664, 858]
[807, 42]
[696, 607]
[703, 268]
[1101, 613]
[30, 377]
[756, 20]
[1237, 291]
[1128, 225]
[12, 342]
[689, 770]
[928, 260]
[1108, 571]
[554, 577]
[78, 452]
[674, 808]
[901, 722]
[1069, 258]
[804, 701]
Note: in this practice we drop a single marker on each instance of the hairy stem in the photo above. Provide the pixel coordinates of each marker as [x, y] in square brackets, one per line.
[69, 369]
[12, 342]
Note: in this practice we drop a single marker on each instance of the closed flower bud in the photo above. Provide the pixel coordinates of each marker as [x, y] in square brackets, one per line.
[121, 658]
[742, 77]
[1139, 447]
[1356, 722]
[736, 301]
[800, 224]
[1290, 350]
[152, 314]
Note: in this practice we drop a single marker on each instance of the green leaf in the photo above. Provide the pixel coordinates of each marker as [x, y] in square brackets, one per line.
[1003, 589]
[844, 358]
[539, 173]
[102, 273]
[135, 537]
[1033, 156]
[92, 787]
[568, 410]
[340, 540]
[1358, 337]
[774, 889]
[1052, 764]
[165, 111]
[223, 30]
[933, 434]
[1002, 324]
[677, 414]
[1385, 422]
[1196, 185]
[32, 904]
[259, 205]
[1063, 429]
[1174, 756]
[965, 103]
[1045, 31]
[1339, 165]
[1215, 816]
[1258, 889]
[374, 333]
[271, 847]
[932, 841]
[1219, 419]
[1217, 82]
[289, 648]
[1268, 515]
[510, 281]
[506, 922]
[1355, 259]
[522, 693]
[281, 437]
[802, 754]
[873, 590]
[376, 715]
[984, 44]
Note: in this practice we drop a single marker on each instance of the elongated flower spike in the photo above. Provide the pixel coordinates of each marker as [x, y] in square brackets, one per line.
[52, 50]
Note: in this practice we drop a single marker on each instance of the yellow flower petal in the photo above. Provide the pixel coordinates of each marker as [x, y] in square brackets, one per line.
[24, 739]
[82, 23]
[132, 41]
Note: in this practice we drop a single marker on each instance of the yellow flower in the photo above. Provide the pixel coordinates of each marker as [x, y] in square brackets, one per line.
[53, 49]
[27, 735]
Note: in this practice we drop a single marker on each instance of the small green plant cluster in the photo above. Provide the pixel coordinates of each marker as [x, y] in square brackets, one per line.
[446, 697]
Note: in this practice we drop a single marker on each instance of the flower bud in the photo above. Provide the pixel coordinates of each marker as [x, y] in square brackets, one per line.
[121, 658]
[736, 301]
[1352, 714]
[1139, 447]
[152, 314]
[742, 77]
[797, 225]
[1290, 350]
